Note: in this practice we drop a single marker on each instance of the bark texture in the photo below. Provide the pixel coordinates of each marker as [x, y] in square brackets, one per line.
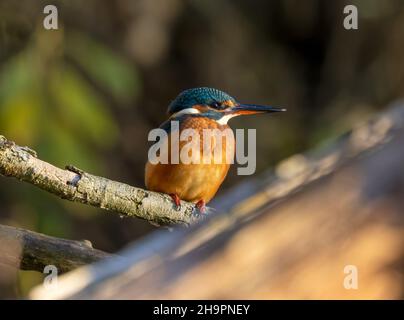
[77, 185]
[27, 250]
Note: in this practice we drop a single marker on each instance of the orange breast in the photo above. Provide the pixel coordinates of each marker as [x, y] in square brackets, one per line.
[194, 181]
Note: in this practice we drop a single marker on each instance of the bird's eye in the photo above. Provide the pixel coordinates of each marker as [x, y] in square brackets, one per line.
[217, 105]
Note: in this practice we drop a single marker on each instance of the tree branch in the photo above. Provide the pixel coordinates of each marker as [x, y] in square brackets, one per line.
[27, 250]
[78, 186]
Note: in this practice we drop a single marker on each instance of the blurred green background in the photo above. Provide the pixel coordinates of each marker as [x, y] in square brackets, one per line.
[88, 93]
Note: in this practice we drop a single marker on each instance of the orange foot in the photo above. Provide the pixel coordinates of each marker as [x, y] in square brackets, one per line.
[176, 200]
[201, 206]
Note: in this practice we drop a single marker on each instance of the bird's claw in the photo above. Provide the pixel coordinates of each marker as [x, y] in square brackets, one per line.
[177, 201]
[201, 207]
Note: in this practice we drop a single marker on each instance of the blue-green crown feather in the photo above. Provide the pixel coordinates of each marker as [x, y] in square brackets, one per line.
[197, 96]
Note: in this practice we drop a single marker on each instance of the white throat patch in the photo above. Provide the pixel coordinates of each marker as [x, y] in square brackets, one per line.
[223, 120]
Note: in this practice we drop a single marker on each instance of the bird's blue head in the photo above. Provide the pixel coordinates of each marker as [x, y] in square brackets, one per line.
[213, 104]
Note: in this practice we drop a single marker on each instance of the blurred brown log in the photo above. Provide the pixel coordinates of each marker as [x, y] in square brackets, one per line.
[27, 250]
[293, 238]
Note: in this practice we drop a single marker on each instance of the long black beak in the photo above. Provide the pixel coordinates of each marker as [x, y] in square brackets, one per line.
[241, 109]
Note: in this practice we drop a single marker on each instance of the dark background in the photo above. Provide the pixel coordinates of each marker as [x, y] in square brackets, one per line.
[89, 93]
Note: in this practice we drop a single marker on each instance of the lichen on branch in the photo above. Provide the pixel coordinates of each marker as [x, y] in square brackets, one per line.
[79, 186]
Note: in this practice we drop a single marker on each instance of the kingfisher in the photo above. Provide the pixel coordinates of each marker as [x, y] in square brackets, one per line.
[197, 109]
